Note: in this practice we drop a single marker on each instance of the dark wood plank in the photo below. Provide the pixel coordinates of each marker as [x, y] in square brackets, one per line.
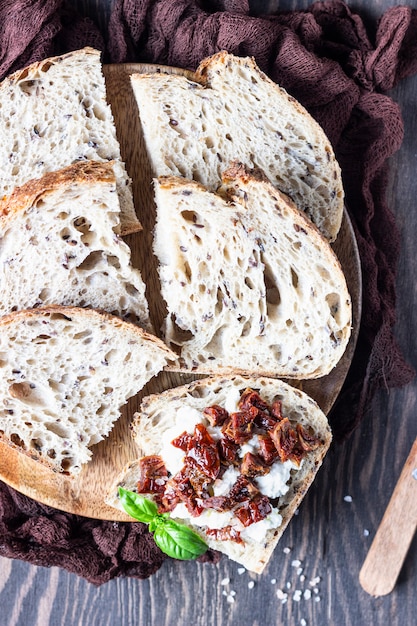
[330, 536]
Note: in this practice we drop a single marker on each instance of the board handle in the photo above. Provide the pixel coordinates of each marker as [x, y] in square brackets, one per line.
[392, 540]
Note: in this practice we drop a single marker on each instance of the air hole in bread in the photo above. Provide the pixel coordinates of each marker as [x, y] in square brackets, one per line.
[44, 295]
[209, 142]
[324, 272]
[30, 87]
[36, 444]
[294, 278]
[82, 335]
[14, 438]
[92, 260]
[58, 429]
[41, 339]
[180, 335]
[272, 294]
[333, 302]
[68, 463]
[189, 216]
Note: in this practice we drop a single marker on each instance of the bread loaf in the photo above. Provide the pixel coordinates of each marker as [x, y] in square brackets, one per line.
[54, 113]
[65, 372]
[60, 244]
[231, 111]
[163, 418]
[250, 284]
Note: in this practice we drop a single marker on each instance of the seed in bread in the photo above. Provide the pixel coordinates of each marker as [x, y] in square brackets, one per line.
[60, 244]
[242, 501]
[196, 125]
[54, 113]
[250, 284]
[65, 373]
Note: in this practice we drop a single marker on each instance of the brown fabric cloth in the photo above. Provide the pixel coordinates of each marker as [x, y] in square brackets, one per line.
[340, 70]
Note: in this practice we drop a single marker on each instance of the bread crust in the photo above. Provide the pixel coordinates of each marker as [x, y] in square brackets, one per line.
[82, 173]
[158, 413]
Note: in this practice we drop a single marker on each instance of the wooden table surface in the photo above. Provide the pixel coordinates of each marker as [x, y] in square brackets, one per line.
[317, 563]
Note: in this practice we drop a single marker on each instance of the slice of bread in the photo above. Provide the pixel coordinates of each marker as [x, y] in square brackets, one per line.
[65, 373]
[231, 111]
[54, 113]
[250, 284]
[60, 244]
[165, 416]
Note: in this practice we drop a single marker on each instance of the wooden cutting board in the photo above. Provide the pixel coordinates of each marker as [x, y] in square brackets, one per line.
[85, 495]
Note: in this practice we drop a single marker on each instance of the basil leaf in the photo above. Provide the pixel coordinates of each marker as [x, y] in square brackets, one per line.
[178, 541]
[137, 506]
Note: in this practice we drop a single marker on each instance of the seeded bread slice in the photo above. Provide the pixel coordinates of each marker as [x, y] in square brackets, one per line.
[65, 372]
[54, 113]
[162, 413]
[60, 244]
[231, 111]
[250, 284]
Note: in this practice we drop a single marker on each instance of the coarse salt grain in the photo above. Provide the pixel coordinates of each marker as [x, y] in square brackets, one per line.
[297, 595]
[303, 622]
[251, 584]
[230, 598]
[366, 532]
[241, 571]
[314, 581]
[347, 498]
[295, 563]
[225, 581]
[286, 550]
[307, 594]
[273, 581]
[281, 595]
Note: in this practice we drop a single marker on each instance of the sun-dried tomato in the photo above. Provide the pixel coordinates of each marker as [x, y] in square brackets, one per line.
[182, 441]
[267, 450]
[152, 475]
[228, 451]
[184, 490]
[286, 441]
[216, 415]
[252, 465]
[202, 451]
[252, 398]
[239, 427]
[307, 441]
[224, 534]
[242, 490]
[276, 410]
[253, 510]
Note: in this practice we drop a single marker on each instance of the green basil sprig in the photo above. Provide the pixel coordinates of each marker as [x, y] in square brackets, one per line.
[174, 539]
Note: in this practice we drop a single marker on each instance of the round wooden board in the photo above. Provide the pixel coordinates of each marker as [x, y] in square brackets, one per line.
[85, 494]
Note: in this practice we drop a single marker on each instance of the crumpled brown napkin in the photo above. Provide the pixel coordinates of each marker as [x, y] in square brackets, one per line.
[340, 71]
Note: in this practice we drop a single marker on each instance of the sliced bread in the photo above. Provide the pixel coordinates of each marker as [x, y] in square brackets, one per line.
[65, 372]
[282, 481]
[54, 113]
[230, 111]
[250, 284]
[60, 244]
